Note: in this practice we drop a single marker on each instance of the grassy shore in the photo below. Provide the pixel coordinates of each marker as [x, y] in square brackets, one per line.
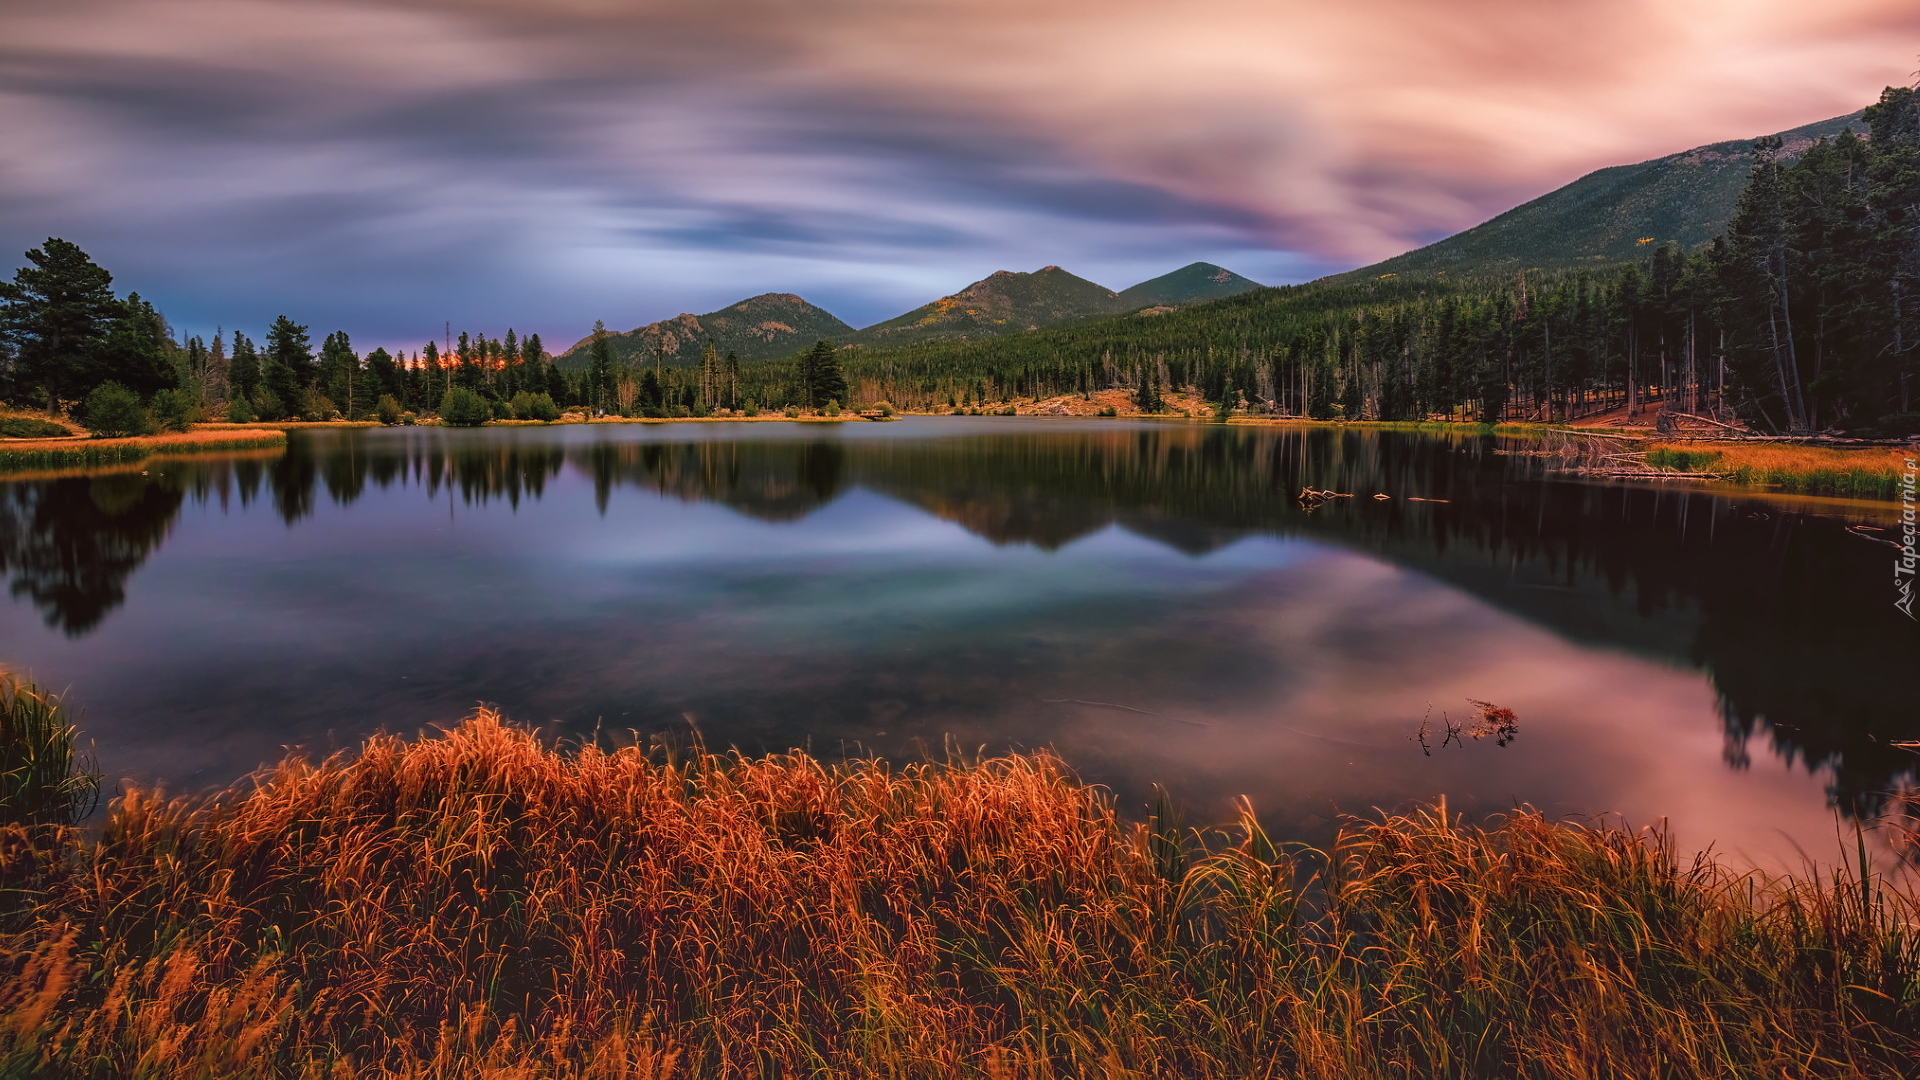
[478, 904]
[1795, 468]
[71, 453]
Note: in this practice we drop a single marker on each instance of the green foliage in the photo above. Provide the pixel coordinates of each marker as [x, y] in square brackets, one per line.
[462, 407]
[42, 780]
[175, 410]
[27, 427]
[240, 410]
[388, 410]
[113, 411]
[56, 312]
[268, 404]
[539, 407]
[68, 333]
[315, 405]
[818, 376]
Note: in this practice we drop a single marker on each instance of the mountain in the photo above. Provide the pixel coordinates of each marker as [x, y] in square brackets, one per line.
[762, 327]
[1002, 303]
[1191, 284]
[1609, 216]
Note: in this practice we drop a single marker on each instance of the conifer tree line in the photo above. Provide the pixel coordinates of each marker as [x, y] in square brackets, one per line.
[1803, 316]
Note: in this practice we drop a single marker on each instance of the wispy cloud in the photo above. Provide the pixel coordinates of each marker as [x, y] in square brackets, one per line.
[384, 166]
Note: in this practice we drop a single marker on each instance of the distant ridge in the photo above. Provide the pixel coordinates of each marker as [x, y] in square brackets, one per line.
[758, 328]
[1004, 302]
[1191, 284]
[1602, 218]
[776, 325]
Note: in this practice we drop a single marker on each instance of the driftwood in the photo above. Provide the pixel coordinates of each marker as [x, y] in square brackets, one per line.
[1648, 474]
[1855, 530]
[1707, 420]
[1603, 434]
[1314, 497]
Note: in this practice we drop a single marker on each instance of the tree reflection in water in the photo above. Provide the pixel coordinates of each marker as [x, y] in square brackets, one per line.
[1789, 616]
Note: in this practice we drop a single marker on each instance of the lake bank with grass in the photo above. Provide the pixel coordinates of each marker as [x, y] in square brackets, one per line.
[481, 899]
[79, 452]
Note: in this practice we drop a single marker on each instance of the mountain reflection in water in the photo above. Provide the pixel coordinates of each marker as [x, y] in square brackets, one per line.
[1788, 615]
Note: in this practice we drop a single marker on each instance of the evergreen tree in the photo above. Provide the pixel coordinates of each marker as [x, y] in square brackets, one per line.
[287, 368]
[600, 375]
[820, 377]
[340, 374]
[56, 313]
[243, 371]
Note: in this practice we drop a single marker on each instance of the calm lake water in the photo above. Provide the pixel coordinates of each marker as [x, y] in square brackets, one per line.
[1149, 599]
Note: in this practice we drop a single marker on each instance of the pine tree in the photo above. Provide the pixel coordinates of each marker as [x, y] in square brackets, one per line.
[56, 313]
[820, 377]
[600, 370]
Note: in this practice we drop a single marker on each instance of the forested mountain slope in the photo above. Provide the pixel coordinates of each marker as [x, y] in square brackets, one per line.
[1611, 216]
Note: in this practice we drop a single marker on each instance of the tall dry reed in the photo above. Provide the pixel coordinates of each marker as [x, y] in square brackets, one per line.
[476, 904]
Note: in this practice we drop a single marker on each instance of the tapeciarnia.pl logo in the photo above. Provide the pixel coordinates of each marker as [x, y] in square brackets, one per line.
[1904, 565]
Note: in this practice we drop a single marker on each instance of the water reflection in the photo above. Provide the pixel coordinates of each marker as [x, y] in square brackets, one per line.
[1788, 614]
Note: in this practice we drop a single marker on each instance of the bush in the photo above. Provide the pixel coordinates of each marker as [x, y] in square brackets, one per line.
[501, 410]
[831, 408]
[387, 409]
[462, 407]
[112, 411]
[240, 411]
[27, 427]
[318, 406]
[176, 410]
[540, 407]
[269, 404]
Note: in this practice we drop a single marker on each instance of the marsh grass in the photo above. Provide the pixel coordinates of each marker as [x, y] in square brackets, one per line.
[64, 452]
[83, 453]
[478, 904]
[1796, 469]
[44, 780]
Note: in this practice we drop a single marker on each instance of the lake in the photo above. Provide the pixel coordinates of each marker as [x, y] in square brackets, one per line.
[1149, 599]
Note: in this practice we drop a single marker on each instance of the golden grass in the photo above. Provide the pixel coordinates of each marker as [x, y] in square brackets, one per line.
[474, 904]
[1864, 473]
[43, 454]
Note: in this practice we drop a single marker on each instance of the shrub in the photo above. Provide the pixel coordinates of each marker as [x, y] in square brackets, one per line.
[269, 404]
[176, 410]
[541, 407]
[387, 409]
[502, 410]
[240, 411]
[112, 411]
[831, 408]
[27, 427]
[318, 406]
[462, 407]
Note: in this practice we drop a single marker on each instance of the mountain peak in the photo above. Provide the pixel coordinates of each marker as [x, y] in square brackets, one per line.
[758, 328]
[1191, 284]
[1608, 216]
[1003, 302]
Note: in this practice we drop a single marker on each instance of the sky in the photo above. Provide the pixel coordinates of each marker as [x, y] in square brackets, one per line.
[387, 168]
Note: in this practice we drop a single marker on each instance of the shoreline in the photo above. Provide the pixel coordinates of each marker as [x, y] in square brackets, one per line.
[475, 897]
[17, 455]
